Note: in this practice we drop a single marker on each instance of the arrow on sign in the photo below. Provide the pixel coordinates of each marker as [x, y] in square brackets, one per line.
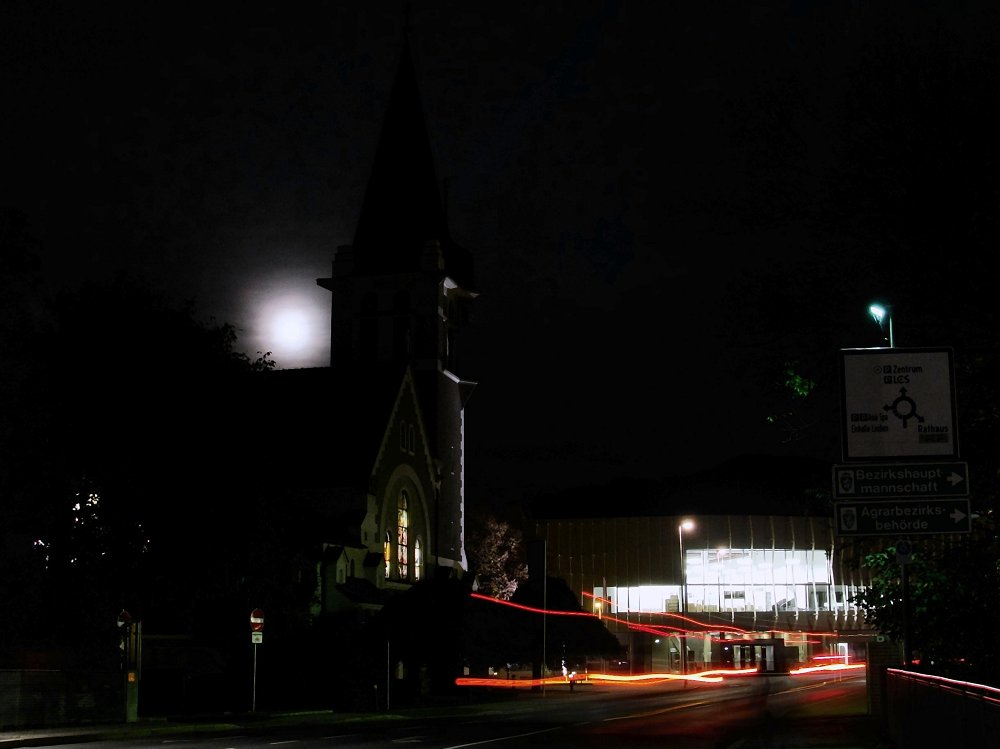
[955, 479]
[957, 515]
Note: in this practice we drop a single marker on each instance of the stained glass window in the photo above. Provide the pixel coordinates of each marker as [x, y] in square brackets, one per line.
[402, 542]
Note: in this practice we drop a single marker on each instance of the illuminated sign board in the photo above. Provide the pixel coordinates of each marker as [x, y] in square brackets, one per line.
[898, 403]
[900, 480]
[902, 517]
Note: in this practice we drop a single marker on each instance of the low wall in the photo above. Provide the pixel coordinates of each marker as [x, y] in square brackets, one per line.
[47, 697]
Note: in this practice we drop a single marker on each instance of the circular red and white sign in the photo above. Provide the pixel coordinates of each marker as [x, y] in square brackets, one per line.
[256, 620]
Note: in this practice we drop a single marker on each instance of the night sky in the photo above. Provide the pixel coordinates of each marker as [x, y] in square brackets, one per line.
[627, 176]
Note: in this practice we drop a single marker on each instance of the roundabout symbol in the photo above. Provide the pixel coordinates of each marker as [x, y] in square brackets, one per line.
[904, 407]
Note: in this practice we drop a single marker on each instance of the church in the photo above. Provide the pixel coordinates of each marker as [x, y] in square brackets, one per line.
[374, 444]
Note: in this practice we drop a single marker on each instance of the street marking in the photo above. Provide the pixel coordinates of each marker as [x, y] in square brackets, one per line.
[502, 738]
[672, 708]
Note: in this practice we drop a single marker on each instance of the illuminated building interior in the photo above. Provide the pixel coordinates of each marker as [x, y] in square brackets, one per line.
[737, 580]
[689, 592]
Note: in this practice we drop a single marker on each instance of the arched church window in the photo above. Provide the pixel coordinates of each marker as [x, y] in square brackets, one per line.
[402, 531]
[418, 560]
[387, 553]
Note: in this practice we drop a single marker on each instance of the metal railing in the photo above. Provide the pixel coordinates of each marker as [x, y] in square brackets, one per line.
[934, 711]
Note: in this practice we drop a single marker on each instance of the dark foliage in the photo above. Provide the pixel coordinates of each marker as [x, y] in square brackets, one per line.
[951, 591]
[120, 496]
[570, 633]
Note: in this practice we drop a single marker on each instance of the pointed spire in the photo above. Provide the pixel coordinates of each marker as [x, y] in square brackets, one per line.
[403, 207]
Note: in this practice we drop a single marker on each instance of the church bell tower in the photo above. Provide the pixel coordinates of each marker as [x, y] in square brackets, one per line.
[402, 291]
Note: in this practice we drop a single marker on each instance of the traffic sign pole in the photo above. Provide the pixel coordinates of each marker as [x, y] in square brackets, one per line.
[256, 637]
[900, 404]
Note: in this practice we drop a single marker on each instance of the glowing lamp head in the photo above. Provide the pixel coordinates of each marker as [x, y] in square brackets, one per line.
[882, 314]
[878, 313]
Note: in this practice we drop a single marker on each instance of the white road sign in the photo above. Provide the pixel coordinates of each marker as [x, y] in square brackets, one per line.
[898, 403]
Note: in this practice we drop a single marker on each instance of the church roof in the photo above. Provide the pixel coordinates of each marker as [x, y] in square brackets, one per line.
[403, 206]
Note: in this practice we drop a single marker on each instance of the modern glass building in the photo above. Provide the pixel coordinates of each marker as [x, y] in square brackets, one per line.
[767, 590]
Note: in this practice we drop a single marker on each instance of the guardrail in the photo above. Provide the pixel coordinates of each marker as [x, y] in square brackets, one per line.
[933, 711]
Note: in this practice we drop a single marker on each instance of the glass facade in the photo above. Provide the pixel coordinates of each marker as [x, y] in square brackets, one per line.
[757, 572]
[736, 580]
[758, 580]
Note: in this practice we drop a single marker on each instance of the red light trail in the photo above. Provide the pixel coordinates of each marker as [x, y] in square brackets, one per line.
[648, 679]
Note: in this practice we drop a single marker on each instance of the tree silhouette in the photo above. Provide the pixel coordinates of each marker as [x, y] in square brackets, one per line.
[117, 495]
[496, 557]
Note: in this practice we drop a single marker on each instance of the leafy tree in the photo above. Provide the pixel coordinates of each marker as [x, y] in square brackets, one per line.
[572, 634]
[115, 495]
[496, 556]
[952, 588]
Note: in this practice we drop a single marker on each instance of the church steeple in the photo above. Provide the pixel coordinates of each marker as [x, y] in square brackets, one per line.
[401, 290]
[401, 295]
[403, 209]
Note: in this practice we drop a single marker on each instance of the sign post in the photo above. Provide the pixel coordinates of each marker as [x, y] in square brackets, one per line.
[256, 637]
[899, 404]
[130, 644]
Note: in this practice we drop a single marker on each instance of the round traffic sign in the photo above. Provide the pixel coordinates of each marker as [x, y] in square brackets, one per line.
[256, 620]
[904, 551]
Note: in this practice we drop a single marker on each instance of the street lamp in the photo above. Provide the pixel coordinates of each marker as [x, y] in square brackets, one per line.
[883, 316]
[685, 525]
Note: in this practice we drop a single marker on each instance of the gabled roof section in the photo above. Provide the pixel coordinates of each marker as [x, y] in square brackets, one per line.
[403, 206]
[408, 388]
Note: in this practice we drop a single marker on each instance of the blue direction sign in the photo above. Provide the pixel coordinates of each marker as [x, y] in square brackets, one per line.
[903, 517]
[900, 480]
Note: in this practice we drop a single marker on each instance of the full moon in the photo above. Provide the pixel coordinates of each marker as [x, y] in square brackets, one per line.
[290, 328]
[293, 324]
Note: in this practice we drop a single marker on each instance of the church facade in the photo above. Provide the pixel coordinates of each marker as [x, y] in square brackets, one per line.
[386, 475]
[400, 297]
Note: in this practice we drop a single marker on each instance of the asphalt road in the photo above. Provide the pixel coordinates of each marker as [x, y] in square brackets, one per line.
[743, 713]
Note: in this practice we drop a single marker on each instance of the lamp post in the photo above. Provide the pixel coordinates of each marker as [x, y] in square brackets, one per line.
[882, 314]
[684, 525]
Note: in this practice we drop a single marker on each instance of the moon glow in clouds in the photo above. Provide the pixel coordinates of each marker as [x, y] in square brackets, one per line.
[293, 323]
[290, 328]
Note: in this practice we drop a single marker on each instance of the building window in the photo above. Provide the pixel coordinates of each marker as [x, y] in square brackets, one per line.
[418, 560]
[402, 542]
[387, 553]
[407, 437]
[736, 580]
